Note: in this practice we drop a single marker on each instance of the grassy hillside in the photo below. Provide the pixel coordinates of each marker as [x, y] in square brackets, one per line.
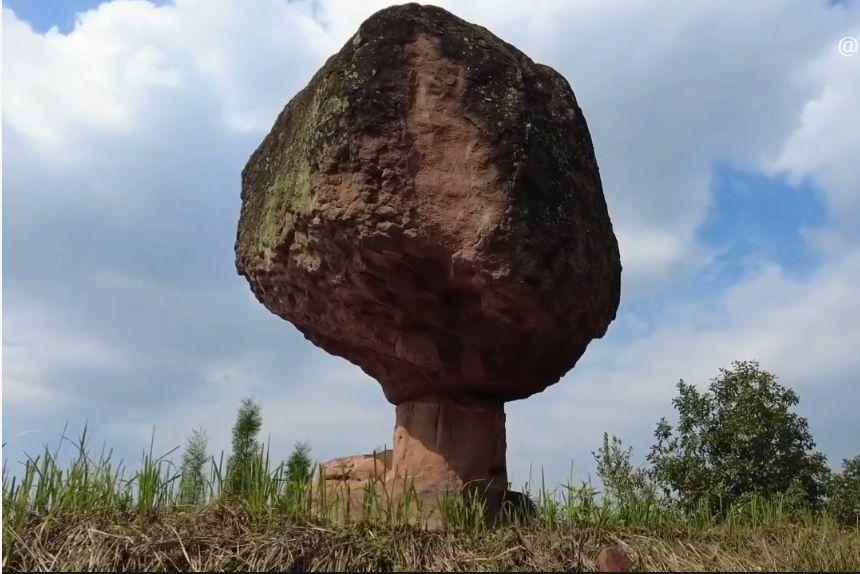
[225, 537]
[94, 515]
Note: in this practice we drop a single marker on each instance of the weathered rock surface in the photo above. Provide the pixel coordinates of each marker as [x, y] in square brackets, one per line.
[429, 207]
[439, 444]
[357, 470]
[445, 443]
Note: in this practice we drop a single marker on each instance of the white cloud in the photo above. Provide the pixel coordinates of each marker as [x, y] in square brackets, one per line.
[34, 344]
[125, 62]
[806, 331]
[824, 144]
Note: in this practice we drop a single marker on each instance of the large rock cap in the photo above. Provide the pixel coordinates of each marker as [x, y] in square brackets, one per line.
[430, 208]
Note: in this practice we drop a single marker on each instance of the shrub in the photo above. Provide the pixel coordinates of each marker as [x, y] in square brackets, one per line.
[297, 474]
[844, 501]
[738, 438]
[621, 478]
[246, 449]
[192, 483]
[299, 465]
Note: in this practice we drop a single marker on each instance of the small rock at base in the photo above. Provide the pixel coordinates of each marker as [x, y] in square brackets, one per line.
[614, 559]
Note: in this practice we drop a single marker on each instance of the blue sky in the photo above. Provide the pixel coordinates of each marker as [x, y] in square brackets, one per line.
[729, 169]
[754, 218]
[44, 15]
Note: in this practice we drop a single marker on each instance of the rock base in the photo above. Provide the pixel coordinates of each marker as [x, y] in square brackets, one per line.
[357, 471]
[614, 559]
[443, 447]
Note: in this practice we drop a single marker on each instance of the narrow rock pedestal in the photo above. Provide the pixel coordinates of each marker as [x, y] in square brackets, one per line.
[448, 445]
[443, 447]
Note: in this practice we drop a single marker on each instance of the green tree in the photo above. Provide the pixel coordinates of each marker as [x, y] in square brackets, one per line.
[192, 483]
[298, 478]
[299, 465]
[246, 448]
[844, 501]
[622, 480]
[739, 437]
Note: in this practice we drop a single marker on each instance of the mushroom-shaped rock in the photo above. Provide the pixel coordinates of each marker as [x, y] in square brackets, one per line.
[429, 207]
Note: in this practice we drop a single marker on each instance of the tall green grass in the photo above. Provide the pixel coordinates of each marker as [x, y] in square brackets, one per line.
[73, 507]
[96, 483]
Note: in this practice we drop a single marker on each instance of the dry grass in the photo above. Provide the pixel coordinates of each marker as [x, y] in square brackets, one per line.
[93, 515]
[220, 536]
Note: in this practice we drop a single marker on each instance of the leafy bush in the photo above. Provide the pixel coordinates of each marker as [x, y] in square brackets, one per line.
[738, 438]
[192, 483]
[621, 479]
[298, 473]
[246, 449]
[299, 465]
[844, 501]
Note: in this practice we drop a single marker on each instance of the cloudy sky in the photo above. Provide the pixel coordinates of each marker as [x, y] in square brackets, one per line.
[728, 136]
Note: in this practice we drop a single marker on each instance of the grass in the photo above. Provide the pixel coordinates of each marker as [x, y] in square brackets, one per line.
[95, 514]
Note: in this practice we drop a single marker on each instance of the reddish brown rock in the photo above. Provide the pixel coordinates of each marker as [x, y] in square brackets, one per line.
[358, 469]
[445, 443]
[429, 207]
[614, 559]
[350, 477]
